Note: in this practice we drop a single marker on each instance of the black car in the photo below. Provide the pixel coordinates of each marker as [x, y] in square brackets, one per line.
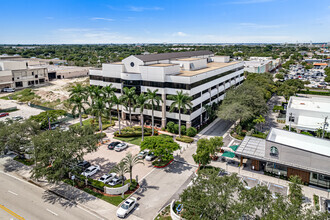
[84, 165]
[112, 145]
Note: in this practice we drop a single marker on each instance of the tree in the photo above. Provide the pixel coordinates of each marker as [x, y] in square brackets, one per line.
[129, 99]
[130, 161]
[162, 146]
[117, 101]
[207, 148]
[181, 101]
[141, 103]
[259, 120]
[109, 92]
[121, 169]
[97, 109]
[78, 103]
[58, 152]
[17, 136]
[153, 101]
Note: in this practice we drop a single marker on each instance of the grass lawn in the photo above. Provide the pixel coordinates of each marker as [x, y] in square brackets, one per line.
[132, 140]
[114, 200]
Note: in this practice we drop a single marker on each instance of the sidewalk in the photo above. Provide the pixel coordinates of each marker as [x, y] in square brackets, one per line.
[76, 197]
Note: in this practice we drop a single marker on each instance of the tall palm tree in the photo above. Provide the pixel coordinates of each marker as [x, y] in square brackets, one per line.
[108, 92]
[181, 101]
[141, 103]
[117, 101]
[78, 103]
[153, 101]
[129, 98]
[97, 109]
[130, 161]
[120, 169]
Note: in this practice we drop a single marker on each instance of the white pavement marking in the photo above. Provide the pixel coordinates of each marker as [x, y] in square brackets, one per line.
[13, 193]
[52, 212]
[90, 212]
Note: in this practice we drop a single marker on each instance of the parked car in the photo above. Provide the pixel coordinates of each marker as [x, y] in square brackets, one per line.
[8, 90]
[90, 171]
[126, 207]
[107, 177]
[112, 145]
[116, 181]
[17, 118]
[327, 205]
[150, 156]
[3, 114]
[143, 154]
[121, 147]
[84, 165]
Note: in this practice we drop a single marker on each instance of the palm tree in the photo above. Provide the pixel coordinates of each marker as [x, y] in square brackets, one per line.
[79, 103]
[141, 103]
[130, 161]
[129, 98]
[97, 109]
[181, 101]
[120, 169]
[117, 101]
[153, 100]
[108, 92]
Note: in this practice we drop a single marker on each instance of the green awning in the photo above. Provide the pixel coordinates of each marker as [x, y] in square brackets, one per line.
[234, 147]
[228, 154]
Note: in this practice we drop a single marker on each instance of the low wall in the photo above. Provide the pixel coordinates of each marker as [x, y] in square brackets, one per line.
[116, 191]
[174, 216]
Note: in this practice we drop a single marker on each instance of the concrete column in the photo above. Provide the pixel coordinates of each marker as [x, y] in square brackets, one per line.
[164, 110]
[188, 124]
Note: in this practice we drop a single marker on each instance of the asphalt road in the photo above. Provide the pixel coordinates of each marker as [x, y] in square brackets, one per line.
[22, 200]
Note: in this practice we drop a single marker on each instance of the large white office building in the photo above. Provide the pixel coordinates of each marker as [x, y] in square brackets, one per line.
[200, 74]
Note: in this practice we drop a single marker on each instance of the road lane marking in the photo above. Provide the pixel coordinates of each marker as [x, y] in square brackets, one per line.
[52, 212]
[12, 193]
[11, 212]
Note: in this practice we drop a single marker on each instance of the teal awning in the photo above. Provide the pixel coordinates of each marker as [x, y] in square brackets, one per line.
[228, 154]
[234, 147]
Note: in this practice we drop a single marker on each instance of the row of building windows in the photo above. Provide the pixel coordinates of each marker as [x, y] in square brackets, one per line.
[163, 84]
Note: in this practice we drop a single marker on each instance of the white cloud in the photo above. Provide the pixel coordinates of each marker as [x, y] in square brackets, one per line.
[179, 34]
[260, 26]
[246, 2]
[140, 9]
[104, 19]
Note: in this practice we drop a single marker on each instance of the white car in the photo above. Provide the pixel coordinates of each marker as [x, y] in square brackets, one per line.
[121, 146]
[126, 207]
[90, 171]
[107, 177]
[150, 156]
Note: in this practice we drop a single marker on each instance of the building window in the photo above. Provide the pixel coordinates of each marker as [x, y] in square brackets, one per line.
[273, 151]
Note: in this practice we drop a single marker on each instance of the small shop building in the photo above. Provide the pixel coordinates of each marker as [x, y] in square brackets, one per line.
[284, 154]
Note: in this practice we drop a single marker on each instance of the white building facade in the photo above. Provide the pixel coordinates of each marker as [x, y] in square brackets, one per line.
[200, 74]
[308, 113]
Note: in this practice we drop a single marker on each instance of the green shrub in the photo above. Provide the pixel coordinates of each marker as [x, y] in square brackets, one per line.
[185, 139]
[183, 130]
[176, 129]
[170, 126]
[191, 132]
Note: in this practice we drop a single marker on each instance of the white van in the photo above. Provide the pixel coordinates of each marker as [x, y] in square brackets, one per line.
[8, 90]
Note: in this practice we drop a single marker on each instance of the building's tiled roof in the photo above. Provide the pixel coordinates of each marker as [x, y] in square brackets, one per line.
[167, 56]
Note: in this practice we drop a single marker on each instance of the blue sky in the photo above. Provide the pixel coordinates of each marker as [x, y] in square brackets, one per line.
[171, 21]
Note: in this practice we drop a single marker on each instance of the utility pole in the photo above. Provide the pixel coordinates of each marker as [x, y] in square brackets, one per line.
[290, 117]
[324, 125]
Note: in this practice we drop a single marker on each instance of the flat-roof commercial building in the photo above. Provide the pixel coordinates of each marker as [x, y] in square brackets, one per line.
[285, 153]
[200, 74]
[18, 74]
[308, 113]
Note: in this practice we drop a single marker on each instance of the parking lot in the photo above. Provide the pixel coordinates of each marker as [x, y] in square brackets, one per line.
[107, 159]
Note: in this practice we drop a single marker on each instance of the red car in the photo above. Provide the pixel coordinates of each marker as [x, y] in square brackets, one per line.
[4, 114]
